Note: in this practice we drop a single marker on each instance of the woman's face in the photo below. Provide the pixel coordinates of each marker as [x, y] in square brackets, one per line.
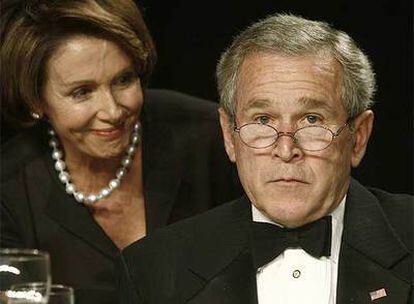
[92, 97]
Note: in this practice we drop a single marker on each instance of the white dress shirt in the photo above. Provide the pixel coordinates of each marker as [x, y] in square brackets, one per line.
[295, 277]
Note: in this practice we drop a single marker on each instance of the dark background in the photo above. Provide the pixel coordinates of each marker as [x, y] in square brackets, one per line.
[190, 35]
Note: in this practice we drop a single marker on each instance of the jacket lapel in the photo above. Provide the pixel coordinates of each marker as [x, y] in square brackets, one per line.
[361, 281]
[162, 167]
[220, 265]
[77, 219]
[370, 247]
[63, 208]
[235, 284]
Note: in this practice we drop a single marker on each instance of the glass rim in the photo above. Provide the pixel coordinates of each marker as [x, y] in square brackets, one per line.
[279, 134]
[294, 138]
[237, 129]
[26, 252]
[264, 147]
[56, 289]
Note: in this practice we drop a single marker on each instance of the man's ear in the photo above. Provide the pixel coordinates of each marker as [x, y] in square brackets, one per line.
[226, 128]
[363, 127]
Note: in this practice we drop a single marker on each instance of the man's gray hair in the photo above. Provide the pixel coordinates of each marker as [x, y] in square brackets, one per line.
[291, 35]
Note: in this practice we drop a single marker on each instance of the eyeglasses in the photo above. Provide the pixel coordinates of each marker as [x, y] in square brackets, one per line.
[309, 138]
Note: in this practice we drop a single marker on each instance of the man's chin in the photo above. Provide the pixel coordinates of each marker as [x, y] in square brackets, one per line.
[289, 220]
[286, 210]
[296, 194]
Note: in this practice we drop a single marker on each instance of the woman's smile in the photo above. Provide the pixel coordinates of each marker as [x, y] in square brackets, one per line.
[114, 132]
[94, 105]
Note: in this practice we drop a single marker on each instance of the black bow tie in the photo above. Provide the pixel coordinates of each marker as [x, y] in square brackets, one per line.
[268, 240]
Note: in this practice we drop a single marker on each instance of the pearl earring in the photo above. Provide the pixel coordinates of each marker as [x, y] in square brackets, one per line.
[36, 116]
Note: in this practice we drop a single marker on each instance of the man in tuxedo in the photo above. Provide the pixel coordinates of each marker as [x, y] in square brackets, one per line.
[295, 115]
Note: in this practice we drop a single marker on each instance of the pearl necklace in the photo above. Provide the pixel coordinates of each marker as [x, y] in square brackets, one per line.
[65, 178]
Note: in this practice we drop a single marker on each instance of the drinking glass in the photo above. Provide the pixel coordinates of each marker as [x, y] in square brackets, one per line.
[58, 294]
[20, 267]
[61, 294]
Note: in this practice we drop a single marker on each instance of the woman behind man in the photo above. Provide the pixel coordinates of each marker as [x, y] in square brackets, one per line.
[105, 161]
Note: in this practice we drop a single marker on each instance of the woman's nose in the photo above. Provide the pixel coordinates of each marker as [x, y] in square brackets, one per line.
[109, 107]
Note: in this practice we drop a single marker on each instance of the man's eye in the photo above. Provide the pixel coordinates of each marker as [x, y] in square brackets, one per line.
[312, 119]
[264, 120]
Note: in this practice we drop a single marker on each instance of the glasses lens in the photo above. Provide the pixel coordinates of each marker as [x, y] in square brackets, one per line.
[313, 138]
[258, 135]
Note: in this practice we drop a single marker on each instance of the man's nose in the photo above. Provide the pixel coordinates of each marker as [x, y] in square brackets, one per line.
[286, 148]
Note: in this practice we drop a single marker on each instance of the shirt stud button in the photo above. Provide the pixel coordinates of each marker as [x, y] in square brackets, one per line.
[296, 274]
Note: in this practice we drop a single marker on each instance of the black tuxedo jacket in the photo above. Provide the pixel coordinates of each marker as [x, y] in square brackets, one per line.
[185, 170]
[206, 259]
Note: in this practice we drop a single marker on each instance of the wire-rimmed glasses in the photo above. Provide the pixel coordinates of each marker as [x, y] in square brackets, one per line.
[308, 138]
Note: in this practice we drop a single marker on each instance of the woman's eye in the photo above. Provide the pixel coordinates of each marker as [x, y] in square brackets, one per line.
[81, 93]
[263, 120]
[125, 79]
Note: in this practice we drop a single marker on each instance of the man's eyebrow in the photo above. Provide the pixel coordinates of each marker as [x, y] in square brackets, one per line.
[306, 102]
[257, 104]
[316, 104]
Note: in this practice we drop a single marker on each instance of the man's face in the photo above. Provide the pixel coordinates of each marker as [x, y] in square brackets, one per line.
[292, 186]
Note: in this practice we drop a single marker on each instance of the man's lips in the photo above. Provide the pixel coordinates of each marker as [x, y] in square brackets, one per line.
[289, 181]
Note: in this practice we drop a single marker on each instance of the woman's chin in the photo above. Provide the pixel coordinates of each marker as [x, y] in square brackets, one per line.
[106, 153]
[109, 155]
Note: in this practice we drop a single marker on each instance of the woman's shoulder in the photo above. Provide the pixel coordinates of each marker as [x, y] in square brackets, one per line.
[172, 105]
